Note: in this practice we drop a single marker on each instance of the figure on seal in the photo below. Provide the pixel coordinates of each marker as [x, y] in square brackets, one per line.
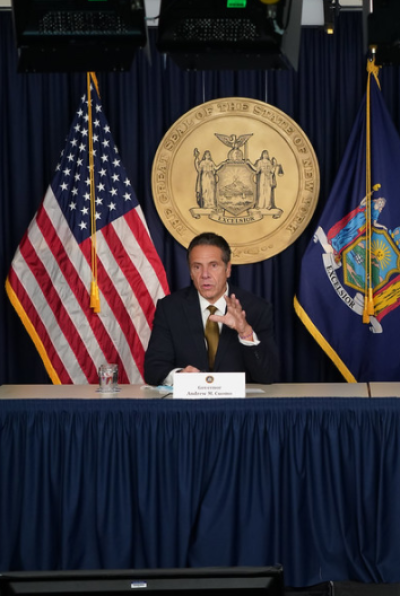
[206, 183]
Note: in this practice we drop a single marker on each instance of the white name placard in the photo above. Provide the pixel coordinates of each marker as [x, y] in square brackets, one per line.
[209, 385]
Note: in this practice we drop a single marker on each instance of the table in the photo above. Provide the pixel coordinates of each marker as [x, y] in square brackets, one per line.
[137, 391]
[384, 389]
[312, 483]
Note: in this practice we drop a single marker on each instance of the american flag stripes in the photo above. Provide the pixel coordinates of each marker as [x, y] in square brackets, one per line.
[50, 276]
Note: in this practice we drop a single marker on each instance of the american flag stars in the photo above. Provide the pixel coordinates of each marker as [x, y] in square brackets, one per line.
[75, 180]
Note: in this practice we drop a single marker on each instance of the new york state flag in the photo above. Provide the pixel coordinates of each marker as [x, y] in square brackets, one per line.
[349, 290]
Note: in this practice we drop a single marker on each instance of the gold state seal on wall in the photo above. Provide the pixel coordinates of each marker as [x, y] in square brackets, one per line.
[240, 168]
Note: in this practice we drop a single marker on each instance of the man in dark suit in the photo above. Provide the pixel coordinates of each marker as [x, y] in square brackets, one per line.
[246, 340]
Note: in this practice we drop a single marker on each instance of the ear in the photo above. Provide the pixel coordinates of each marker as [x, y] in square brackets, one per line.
[228, 270]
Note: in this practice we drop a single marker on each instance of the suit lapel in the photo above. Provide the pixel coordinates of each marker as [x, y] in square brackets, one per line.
[195, 326]
[226, 337]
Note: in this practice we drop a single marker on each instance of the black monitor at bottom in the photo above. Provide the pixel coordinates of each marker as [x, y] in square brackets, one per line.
[206, 581]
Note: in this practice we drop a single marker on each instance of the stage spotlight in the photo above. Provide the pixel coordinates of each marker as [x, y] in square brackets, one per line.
[329, 17]
[230, 34]
[78, 35]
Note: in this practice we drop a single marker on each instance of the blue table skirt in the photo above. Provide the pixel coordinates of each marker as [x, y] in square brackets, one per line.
[313, 484]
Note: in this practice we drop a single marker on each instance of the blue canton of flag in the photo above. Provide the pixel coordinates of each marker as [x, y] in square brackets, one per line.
[71, 184]
[349, 287]
[88, 227]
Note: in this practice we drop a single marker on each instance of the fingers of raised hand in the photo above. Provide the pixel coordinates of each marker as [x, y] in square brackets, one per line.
[233, 303]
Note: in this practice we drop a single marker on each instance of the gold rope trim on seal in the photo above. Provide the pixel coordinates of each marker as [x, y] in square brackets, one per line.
[319, 338]
[94, 288]
[19, 309]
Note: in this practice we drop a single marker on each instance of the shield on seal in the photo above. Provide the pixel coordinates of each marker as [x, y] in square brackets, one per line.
[385, 262]
[236, 188]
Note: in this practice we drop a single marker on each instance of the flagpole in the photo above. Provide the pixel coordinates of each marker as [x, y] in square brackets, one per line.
[368, 292]
[94, 288]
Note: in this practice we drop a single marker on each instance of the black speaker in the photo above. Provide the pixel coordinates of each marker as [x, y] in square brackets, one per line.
[383, 30]
[78, 35]
[230, 34]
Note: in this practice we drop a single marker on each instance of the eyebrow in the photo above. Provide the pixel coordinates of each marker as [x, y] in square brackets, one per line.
[201, 263]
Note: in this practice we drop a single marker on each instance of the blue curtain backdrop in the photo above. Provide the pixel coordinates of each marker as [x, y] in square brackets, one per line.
[36, 111]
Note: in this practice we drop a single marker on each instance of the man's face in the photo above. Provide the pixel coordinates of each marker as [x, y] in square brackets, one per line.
[209, 272]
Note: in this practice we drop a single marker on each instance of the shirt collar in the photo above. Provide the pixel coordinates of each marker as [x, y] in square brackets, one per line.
[220, 303]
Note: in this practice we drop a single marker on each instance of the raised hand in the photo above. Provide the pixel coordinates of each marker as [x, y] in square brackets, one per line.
[235, 318]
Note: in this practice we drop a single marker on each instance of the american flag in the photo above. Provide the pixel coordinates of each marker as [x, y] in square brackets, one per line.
[49, 282]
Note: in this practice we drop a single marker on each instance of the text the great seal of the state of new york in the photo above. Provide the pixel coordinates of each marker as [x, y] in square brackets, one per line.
[240, 168]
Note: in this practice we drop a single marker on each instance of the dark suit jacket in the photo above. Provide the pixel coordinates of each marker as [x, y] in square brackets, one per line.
[177, 339]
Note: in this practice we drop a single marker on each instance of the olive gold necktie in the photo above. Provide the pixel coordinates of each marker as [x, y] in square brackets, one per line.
[211, 333]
